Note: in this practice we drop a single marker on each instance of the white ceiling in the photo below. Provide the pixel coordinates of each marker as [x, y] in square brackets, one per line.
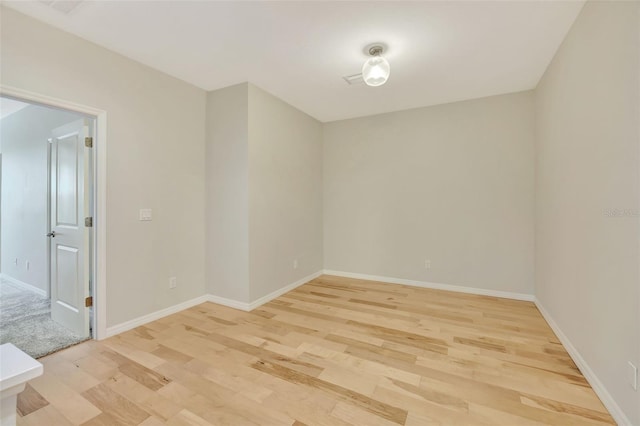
[440, 51]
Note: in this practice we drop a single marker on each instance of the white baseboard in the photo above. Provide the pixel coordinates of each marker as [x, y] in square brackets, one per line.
[435, 286]
[230, 303]
[137, 322]
[243, 306]
[24, 285]
[604, 395]
[269, 297]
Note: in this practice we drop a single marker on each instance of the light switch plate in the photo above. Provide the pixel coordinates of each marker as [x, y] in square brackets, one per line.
[145, 214]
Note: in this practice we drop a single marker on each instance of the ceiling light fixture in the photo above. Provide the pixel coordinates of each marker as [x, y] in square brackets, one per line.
[375, 70]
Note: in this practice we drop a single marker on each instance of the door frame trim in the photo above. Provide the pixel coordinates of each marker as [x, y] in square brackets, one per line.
[99, 273]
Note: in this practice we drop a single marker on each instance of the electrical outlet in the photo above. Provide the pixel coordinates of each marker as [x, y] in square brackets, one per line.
[633, 376]
[427, 264]
[173, 282]
[295, 263]
[146, 215]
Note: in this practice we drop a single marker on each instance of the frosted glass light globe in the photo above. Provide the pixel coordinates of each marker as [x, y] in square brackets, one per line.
[375, 71]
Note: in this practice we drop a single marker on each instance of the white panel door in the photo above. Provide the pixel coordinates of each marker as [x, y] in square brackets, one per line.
[69, 238]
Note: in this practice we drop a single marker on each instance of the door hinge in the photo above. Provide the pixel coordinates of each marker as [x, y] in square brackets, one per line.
[88, 222]
[88, 302]
[88, 142]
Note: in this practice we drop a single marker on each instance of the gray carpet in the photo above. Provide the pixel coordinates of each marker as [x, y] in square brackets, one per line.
[25, 321]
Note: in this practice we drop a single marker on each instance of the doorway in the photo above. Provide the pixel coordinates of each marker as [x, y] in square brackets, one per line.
[46, 226]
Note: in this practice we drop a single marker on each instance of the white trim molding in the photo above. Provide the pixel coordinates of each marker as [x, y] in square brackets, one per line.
[23, 285]
[243, 306]
[600, 390]
[269, 297]
[247, 307]
[435, 286]
[145, 319]
[229, 303]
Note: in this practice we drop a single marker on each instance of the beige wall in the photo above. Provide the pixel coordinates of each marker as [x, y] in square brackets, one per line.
[227, 163]
[451, 183]
[155, 159]
[285, 187]
[587, 108]
[264, 193]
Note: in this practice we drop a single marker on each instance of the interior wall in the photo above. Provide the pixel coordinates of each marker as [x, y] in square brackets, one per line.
[285, 193]
[24, 192]
[264, 197]
[452, 184]
[588, 193]
[155, 159]
[227, 193]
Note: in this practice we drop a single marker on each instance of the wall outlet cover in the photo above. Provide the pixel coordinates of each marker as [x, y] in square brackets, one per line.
[146, 214]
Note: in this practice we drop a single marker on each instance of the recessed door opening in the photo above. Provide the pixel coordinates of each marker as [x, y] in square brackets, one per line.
[46, 226]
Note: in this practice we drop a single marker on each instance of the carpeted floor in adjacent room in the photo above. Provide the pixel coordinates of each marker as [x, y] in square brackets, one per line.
[25, 321]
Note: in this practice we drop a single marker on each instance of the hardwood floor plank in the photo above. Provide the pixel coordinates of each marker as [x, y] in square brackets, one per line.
[333, 352]
[48, 415]
[121, 409]
[559, 407]
[66, 400]
[72, 375]
[150, 401]
[187, 418]
[171, 355]
[378, 408]
[29, 401]
[103, 419]
[144, 376]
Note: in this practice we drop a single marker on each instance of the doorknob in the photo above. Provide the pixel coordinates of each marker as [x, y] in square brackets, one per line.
[52, 234]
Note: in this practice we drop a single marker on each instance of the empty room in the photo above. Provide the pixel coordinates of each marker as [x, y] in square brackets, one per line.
[319, 213]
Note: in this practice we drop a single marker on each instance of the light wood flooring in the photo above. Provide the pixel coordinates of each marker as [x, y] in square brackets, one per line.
[335, 351]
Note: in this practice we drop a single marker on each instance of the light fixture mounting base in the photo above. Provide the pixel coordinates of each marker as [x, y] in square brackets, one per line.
[375, 50]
